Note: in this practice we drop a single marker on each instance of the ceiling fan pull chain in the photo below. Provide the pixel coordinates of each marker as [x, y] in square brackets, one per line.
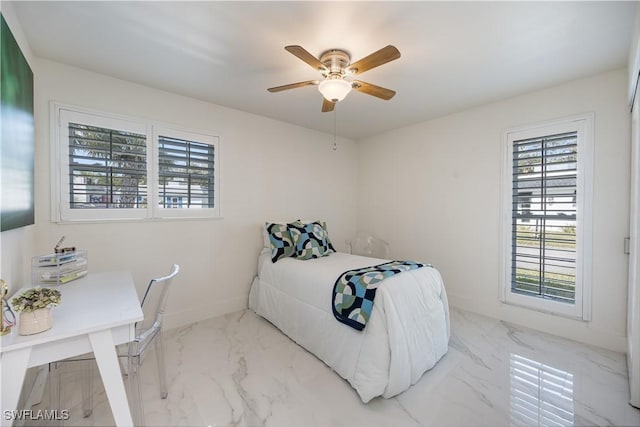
[335, 145]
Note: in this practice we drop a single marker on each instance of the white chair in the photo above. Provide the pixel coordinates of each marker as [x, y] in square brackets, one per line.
[366, 244]
[146, 331]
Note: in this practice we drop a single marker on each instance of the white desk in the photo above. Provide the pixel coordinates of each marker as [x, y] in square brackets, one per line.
[96, 313]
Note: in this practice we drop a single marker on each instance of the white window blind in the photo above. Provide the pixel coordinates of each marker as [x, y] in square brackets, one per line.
[543, 261]
[107, 168]
[547, 234]
[186, 173]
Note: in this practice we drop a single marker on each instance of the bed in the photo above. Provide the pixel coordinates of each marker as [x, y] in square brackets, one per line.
[406, 334]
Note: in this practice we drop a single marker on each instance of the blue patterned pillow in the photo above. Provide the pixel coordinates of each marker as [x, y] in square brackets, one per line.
[326, 233]
[281, 241]
[310, 240]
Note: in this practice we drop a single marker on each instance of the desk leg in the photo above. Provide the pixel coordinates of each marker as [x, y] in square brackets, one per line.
[107, 359]
[14, 368]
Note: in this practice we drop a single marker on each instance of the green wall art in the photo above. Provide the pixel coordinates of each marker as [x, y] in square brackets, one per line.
[17, 132]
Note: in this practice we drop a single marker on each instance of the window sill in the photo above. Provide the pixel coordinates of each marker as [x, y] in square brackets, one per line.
[546, 311]
[134, 220]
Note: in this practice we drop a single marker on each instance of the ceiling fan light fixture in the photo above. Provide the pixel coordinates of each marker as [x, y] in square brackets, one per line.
[334, 90]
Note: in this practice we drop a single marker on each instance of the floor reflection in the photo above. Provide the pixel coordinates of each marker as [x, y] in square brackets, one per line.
[540, 394]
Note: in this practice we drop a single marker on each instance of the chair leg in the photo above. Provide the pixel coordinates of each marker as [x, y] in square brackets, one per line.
[135, 388]
[87, 388]
[124, 366]
[162, 369]
[55, 400]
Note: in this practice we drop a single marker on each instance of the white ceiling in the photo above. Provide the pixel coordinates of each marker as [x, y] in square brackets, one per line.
[455, 55]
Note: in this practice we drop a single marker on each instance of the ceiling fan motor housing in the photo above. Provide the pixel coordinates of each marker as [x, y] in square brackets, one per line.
[336, 61]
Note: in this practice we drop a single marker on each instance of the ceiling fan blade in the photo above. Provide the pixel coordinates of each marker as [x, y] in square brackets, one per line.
[327, 105]
[369, 89]
[293, 86]
[382, 56]
[302, 54]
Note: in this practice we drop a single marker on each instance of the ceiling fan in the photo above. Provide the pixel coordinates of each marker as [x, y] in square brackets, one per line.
[336, 68]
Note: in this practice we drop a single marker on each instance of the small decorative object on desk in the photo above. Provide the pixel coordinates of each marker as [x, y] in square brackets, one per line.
[60, 250]
[59, 268]
[34, 306]
[7, 318]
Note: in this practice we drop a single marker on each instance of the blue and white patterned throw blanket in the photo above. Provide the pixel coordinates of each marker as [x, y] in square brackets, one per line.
[354, 291]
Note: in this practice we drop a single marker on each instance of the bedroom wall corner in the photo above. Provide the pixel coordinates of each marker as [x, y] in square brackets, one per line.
[447, 202]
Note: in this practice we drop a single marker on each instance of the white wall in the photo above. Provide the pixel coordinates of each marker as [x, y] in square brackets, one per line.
[16, 246]
[634, 57]
[270, 170]
[432, 190]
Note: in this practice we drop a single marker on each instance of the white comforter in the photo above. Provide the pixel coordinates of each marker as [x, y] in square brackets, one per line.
[408, 331]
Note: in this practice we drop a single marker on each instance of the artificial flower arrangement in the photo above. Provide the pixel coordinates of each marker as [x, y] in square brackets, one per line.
[36, 298]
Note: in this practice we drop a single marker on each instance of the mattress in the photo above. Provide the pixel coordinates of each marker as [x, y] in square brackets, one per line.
[407, 334]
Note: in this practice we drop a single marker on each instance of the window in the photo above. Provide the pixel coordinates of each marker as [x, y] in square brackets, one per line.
[547, 216]
[107, 168]
[116, 168]
[187, 173]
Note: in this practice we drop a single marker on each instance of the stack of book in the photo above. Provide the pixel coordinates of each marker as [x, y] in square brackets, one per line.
[59, 268]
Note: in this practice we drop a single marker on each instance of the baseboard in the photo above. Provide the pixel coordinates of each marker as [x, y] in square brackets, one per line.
[575, 330]
[196, 314]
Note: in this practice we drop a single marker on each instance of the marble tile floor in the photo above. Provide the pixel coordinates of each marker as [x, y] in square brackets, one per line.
[239, 370]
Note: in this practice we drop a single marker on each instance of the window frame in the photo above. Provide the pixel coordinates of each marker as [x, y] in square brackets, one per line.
[583, 125]
[61, 212]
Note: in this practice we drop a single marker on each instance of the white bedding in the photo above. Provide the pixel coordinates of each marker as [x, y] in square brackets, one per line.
[408, 331]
